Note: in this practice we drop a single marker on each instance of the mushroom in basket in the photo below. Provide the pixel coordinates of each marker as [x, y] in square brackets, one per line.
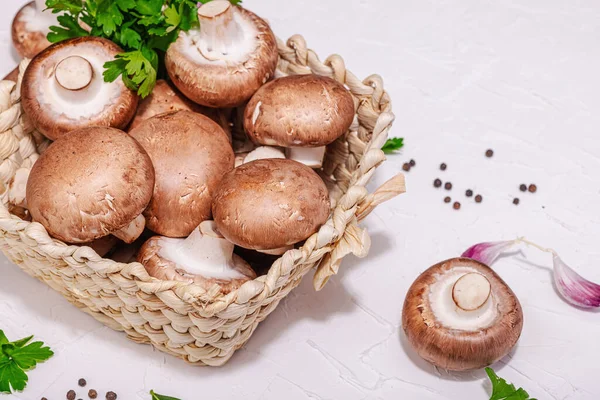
[459, 315]
[89, 184]
[204, 258]
[190, 153]
[30, 27]
[224, 62]
[63, 88]
[269, 205]
[303, 113]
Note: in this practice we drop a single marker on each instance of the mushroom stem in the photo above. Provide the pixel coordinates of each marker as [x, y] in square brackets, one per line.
[74, 73]
[263, 152]
[471, 291]
[219, 32]
[310, 156]
[131, 232]
[205, 252]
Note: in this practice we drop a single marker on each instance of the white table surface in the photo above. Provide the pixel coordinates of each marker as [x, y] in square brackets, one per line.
[464, 75]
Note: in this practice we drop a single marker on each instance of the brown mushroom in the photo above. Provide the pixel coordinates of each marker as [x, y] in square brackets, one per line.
[190, 153]
[303, 113]
[63, 88]
[104, 245]
[30, 27]
[270, 204]
[226, 60]
[91, 183]
[12, 75]
[460, 315]
[166, 98]
[204, 258]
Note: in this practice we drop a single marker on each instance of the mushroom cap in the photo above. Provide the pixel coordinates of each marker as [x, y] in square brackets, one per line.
[89, 184]
[166, 98]
[27, 42]
[12, 75]
[190, 153]
[164, 269]
[271, 203]
[218, 84]
[461, 349]
[54, 112]
[299, 111]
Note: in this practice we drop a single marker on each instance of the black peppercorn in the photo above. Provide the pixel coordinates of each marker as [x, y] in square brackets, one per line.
[81, 382]
[489, 153]
[469, 193]
[406, 167]
[92, 394]
[456, 205]
[478, 198]
[412, 163]
[523, 187]
[448, 186]
[516, 201]
[443, 166]
[437, 183]
[447, 199]
[71, 395]
[111, 396]
[532, 188]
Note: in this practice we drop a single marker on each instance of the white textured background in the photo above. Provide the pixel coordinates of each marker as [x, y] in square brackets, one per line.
[464, 75]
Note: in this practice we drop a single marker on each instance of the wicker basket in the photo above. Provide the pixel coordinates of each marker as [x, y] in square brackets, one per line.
[204, 327]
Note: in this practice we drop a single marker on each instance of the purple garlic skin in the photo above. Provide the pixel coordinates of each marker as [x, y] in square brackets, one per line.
[573, 287]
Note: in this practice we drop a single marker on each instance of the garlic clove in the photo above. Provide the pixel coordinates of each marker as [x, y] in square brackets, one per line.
[488, 252]
[573, 287]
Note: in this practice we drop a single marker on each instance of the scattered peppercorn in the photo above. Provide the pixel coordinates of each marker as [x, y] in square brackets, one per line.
[82, 382]
[111, 396]
[437, 183]
[71, 395]
[469, 193]
[79, 399]
[406, 167]
[478, 198]
[443, 166]
[489, 153]
[412, 163]
[447, 199]
[92, 394]
[516, 201]
[448, 186]
[523, 187]
[532, 188]
[456, 205]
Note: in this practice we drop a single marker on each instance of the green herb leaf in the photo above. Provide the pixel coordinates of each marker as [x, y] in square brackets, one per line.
[16, 358]
[172, 16]
[392, 145]
[72, 6]
[156, 396]
[69, 29]
[502, 390]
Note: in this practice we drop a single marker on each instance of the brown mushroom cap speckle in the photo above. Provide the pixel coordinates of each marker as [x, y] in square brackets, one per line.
[89, 184]
[55, 111]
[190, 153]
[27, 42]
[217, 83]
[299, 111]
[268, 204]
[461, 349]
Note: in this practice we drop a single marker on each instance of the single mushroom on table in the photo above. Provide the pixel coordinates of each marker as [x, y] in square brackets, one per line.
[166, 98]
[303, 113]
[460, 315]
[269, 205]
[190, 153]
[63, 88]
[91, 183]
[30, 27]
[204, 258]
[223, 62]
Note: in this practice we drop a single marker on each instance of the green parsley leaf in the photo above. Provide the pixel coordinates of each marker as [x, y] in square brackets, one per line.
[392, 145]
[72, 6]
[149, 7]
[69, 29]
[156, 396]
[16, 358]
[502, 390]
[172, 17]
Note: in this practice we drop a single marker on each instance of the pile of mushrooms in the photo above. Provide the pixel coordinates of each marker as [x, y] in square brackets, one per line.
[30, 27]
[157, 180]
[460, 315]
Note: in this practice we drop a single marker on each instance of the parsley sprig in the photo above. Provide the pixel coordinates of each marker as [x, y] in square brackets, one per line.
[502, 390]
[392, 145]
[16, 358]
[143, 28]
[156, 396]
